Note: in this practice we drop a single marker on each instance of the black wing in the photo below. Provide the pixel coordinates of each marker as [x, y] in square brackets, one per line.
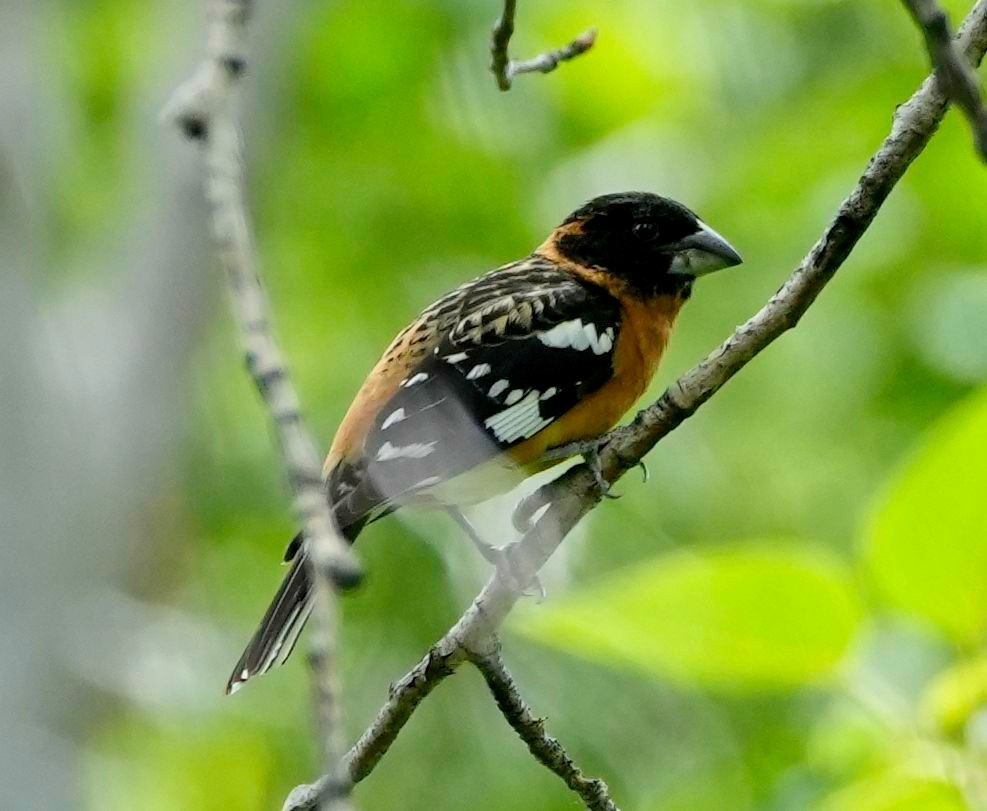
[528, 342]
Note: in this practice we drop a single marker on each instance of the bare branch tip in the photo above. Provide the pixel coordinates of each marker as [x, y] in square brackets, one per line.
[586, 40]
[505, 69]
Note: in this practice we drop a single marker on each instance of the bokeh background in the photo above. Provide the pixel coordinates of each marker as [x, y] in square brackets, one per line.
[790, 614]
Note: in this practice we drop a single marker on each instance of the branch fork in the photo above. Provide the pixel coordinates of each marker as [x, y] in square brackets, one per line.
[505, 69]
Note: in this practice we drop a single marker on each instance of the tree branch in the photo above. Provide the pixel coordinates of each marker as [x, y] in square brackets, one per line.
[405, 695]
[955, 75]
[574, 494]
[545, 749]
[505, 69]
[203, 108]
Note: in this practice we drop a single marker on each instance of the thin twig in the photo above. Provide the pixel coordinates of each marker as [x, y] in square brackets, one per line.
[505, 69]
[203, 108]
[957, 78]
[575, 493]
[531, 729]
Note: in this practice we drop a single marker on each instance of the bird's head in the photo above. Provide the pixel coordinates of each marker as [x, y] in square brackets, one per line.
[651, 243]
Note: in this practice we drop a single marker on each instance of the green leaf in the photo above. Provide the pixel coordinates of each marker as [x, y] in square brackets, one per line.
[751, 615]
[895, 792]
[926, 542]
[955, 695]
[846, 741]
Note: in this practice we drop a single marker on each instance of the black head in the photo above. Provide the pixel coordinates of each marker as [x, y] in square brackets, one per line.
[651, 242]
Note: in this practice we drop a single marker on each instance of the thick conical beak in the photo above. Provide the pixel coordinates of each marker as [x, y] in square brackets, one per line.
[703, 252]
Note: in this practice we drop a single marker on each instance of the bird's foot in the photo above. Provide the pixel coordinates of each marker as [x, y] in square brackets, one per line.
[510, 568]
[591, 459]
[526, 508]
[502, 558]
[589, 449]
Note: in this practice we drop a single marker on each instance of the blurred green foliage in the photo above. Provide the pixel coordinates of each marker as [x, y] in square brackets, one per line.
[691, 667]
[763, 614]
[757, 615]
[925, 540]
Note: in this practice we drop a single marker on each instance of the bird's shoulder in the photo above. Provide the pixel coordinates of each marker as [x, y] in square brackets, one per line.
[508, 303]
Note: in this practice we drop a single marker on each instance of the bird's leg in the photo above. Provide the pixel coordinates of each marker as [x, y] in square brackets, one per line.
[533, 502]
[590, 451]
[528, 506]
[498, 556]
[492, 554]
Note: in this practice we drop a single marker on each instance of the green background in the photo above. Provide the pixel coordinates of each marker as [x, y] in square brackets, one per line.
[789, 615]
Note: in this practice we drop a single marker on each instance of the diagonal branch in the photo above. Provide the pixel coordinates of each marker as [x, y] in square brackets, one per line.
[441, 661]
[574, 494]
[505, 69]
[955, 75]
[530, 729]
[203, 108]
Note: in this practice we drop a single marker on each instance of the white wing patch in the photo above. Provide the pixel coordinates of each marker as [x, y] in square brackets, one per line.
[457, 358]
[416, 450]
[549, 393]
[395, 416]
[421, 377]
[499, 388]
[514, 396]
[576, 335]
[521, 420]
[479, 370]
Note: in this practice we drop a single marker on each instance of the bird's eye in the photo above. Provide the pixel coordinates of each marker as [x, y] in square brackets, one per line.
[645, 230]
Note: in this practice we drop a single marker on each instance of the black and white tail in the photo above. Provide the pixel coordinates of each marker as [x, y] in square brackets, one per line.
[278, 632]
[275, 638]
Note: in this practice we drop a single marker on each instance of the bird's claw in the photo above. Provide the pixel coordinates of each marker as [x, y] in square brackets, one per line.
[536, 590]
[591, 458]
[590, 451]
[509, 568]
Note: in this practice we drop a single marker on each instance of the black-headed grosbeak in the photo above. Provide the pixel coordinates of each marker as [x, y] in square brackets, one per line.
[496, 377]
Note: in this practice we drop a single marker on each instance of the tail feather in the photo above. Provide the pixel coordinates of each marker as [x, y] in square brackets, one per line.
[275, 637]
[278, 631]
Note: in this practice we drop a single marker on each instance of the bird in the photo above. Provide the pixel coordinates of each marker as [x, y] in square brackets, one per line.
[505, 376]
